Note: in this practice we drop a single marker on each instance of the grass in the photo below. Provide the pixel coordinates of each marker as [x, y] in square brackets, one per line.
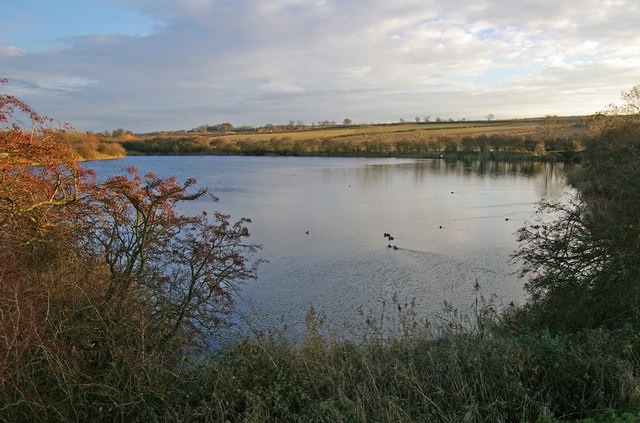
[454, 375]
[406, 130]
[457, 378]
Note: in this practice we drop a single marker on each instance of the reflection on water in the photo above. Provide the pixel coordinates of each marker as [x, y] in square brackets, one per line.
[453, 222]
[551, 176]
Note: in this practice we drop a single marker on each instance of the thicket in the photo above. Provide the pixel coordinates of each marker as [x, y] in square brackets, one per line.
[583, 265]
[110, 301]
[102, 285]
[88, 146]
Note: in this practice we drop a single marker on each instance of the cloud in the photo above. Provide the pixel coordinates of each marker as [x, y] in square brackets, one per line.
[11, 51]
[250, 61]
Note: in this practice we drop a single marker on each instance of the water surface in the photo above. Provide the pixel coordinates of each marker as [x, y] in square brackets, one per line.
[452, 222]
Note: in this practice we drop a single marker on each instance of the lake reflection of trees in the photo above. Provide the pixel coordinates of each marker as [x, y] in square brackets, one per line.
[497, 168]
[550, 176]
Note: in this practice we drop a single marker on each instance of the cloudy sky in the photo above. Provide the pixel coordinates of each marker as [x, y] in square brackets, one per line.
[147, 65]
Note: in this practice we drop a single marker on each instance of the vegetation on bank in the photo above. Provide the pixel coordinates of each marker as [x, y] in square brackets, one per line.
[90, 147]
[552, 138]
[110, 299]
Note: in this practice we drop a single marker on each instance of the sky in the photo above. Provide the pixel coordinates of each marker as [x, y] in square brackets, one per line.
[153, 65]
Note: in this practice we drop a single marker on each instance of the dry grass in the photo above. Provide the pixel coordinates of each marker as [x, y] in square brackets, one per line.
[460, 375]
[396, 131]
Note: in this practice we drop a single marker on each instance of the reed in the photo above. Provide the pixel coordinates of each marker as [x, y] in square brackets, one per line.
[448, 373]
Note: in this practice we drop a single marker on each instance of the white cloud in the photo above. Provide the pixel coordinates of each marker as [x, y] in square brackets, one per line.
[69, 83]
[11, 51]
[250, 61]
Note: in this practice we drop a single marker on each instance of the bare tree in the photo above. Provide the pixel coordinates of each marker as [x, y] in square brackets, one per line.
[632, 100]
[185, 269]
[554, 127]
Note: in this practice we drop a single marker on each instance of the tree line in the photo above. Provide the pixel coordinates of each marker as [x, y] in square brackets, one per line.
[544, 142]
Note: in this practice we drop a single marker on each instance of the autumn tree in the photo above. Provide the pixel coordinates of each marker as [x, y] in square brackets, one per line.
[40, 189]
[554, 127]
[631, 100]
[38, 167]
[184, 268]
[615, 114]
[104, 286]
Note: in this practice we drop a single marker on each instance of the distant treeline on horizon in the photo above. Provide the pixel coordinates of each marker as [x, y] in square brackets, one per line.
[554, 136]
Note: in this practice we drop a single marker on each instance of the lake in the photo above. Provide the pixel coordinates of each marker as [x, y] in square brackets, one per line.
[453, 224]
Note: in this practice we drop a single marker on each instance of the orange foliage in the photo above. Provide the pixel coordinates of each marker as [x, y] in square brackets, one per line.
[101, 274]
[89, 147]
[38, 167]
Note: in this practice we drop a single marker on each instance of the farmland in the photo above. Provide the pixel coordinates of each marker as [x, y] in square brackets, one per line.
[530, 137]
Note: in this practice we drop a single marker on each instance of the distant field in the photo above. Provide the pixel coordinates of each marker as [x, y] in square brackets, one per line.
[530, 137]
[396, 131]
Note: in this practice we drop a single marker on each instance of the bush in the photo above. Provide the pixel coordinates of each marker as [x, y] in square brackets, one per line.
[583, 263]
[105, 289]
